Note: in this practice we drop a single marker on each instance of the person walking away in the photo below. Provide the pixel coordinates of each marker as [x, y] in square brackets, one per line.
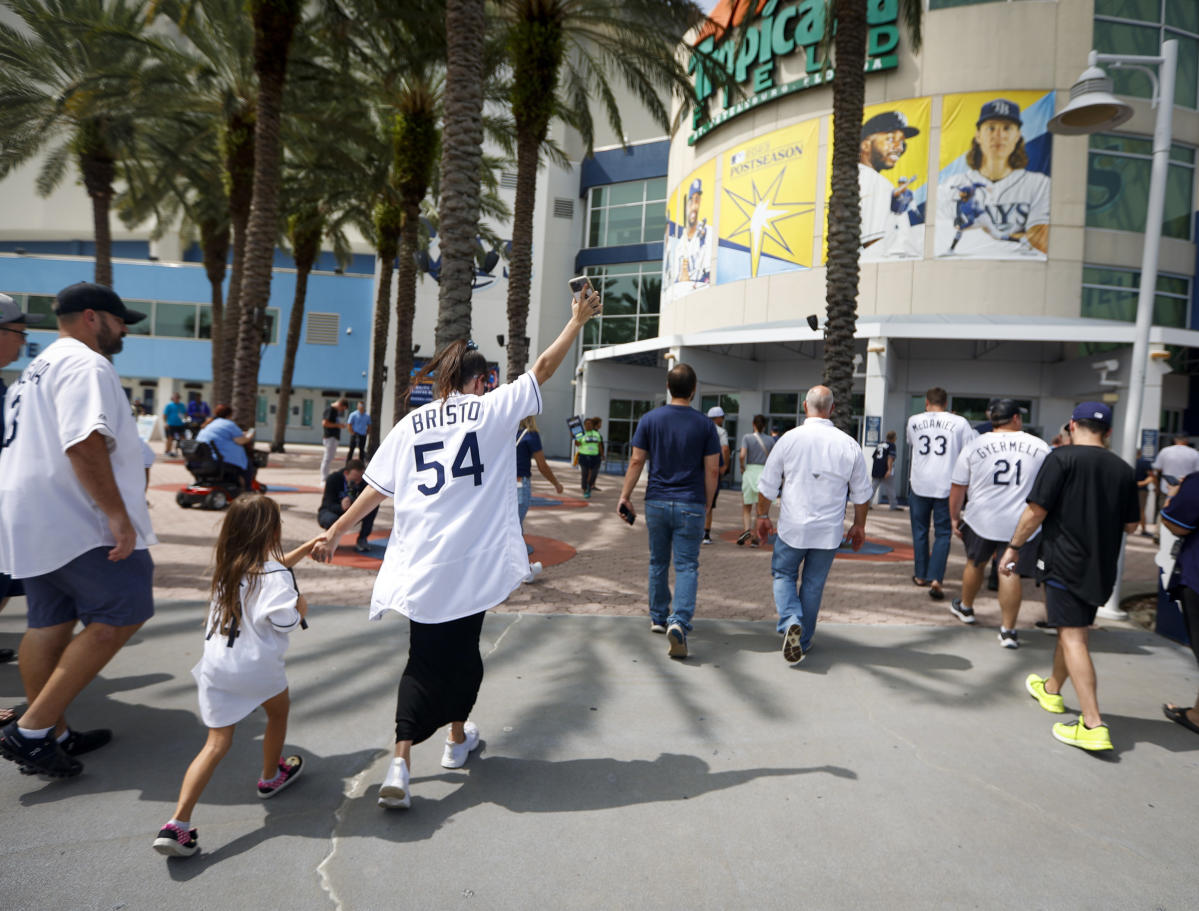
[997, 470]
[360, 425]
[590, 444]
[528, 451]
[455, 549]
[332, 426]
[1182, 518]
[816, 466]
[1173, 464]
[254, 606]
[81, 544]
[716, 413]
[175, 416]
[683, 450]
[882, 472]
[1145, 484]
[1084, 500]
[755, 447]
[936, 438]
[342, 488]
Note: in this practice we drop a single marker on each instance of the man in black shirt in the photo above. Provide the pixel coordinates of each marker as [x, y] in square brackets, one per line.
[1084, 500]
[342, 489]
[332, 425]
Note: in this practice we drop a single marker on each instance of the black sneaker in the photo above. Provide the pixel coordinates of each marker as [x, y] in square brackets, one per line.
[362, 546]
[1008, 638]
[707, 538]
[174, 842]
[80, 742]
[39, 755]
[961, 611]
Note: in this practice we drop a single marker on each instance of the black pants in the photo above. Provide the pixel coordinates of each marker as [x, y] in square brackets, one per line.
[1190, 616]
[326, 517]
[359, 440]
[442, 678]
[589, 466]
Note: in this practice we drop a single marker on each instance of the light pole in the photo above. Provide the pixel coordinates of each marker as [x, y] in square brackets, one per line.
[1093, 109]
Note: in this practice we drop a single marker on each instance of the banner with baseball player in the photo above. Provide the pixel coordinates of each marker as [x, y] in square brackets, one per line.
[689, 248]
[994, 181]
[768, 203]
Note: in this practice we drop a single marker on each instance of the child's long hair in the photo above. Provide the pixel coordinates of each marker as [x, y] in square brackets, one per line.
[451, 368]
[250, 535]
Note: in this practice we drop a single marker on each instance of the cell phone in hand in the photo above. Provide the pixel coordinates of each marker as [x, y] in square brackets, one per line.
[580, 286]
[627, 514]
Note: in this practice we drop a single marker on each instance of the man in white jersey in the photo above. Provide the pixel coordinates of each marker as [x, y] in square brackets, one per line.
[936, 438]
[693, 250]
[997, 470]
[887, 230]
[79, 542]
[996, 209]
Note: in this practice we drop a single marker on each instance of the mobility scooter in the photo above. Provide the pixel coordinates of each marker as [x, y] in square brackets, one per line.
[214, 481]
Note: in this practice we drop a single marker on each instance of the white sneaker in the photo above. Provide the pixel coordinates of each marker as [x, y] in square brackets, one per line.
[456, 753]
[534, 571]
[394, 793]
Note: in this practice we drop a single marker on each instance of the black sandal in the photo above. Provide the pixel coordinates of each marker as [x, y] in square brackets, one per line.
[1178, 714]
[937, 594]
[921, 583]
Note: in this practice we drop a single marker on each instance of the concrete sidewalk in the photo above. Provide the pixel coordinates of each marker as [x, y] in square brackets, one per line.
[897, 767]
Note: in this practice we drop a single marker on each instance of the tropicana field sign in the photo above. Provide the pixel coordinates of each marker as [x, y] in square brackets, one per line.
[783, 35]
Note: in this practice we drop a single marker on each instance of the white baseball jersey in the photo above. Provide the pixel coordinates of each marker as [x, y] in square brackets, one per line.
[1009, 206]
[696, 252]
[936, 438]
[456, 546]
[998, 470]
[891, 235]
[47, 519]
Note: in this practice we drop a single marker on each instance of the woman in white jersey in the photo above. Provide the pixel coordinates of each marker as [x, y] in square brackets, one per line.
[455, 548]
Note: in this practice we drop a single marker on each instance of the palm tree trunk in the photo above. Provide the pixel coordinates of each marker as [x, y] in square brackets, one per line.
[379, 345]
[239, 169]
[845, 217]
[461, 161]
[214, 242]
[294, 324]
[98, 172]
[520, 262]
[405, 311]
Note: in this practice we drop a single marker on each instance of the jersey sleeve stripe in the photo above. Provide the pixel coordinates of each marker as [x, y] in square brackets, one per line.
[536, 389]
[1166, 515]
[366, 476]
[104, 429]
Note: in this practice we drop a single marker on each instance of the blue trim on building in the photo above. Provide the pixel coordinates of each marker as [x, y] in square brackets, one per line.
[360, 263]
[629, 253]
[339, 366]
[121, 249]
[639, 162]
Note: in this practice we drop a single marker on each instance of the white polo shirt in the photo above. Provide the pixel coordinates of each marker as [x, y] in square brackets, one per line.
[936, 438]
[456, 546]
[998, 470]
[47, 519]
[1177, 461]
[816, 465]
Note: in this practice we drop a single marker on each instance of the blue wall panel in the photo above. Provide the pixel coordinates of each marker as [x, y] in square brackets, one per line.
[639, 162]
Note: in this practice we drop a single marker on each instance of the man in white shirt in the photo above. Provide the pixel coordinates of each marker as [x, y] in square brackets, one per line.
[716, 413]
[1173, 464]
[936, 438]
[998, 470]
[821, 465]
[79, 543]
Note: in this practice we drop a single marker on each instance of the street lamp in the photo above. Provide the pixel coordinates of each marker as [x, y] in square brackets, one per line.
[1092, 109]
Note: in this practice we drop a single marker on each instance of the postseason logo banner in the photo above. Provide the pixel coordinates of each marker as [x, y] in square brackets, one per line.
[688, 252]
[893, 153]
[768, 203]
[994, 180]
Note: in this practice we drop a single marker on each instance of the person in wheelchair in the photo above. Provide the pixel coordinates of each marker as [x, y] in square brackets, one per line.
[229, 441]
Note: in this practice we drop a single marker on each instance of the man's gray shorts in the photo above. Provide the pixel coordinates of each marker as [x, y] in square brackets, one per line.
[91, 588]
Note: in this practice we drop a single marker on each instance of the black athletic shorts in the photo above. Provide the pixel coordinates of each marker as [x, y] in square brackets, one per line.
[1064, 608]
[1190, 616]
[980, 550]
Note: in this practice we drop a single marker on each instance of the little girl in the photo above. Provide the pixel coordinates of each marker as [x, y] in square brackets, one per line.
[255, 605]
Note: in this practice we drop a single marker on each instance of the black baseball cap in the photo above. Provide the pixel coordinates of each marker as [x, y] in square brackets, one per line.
[1003, 410]
[90, 296]
[889, 122]
[1000, 109]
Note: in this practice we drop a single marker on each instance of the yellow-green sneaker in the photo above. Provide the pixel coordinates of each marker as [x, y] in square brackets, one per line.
[1083, 737]
[1050, 702]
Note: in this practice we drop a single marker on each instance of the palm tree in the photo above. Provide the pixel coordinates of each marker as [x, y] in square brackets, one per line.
[563, 53]
[75, 80]
[305, 228]
[845, 216]
[275, 23]
[461, 159]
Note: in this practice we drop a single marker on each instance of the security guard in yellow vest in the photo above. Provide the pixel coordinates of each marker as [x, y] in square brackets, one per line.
[590, 444]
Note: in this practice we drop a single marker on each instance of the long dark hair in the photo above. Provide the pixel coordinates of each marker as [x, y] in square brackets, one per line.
[1017, 160]
[250, 535]
[451, 368]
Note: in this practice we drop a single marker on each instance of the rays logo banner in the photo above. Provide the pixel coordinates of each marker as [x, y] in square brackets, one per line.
[768, 204]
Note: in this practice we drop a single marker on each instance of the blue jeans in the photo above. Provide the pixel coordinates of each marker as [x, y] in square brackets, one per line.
[674, 526]
[524, 496]
[799, 601]
[920, 511]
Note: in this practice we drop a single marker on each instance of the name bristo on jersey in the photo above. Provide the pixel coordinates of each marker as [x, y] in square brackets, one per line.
[446, 414]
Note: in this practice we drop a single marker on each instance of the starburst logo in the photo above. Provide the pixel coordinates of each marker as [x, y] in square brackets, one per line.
[761, 216]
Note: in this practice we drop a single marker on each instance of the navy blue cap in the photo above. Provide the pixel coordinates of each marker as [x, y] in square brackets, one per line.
[89, 296]
[1093, 411]
[1000, 109]
[889, 122]
[697, 186]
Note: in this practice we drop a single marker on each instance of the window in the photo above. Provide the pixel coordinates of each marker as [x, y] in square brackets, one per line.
[1112, 294]
[946, 4]
[626, 213]
[306, 418]
[783, 410]
[974, 408]
[1118, 170]
[623, 415]
[630, 293]
[1140, 27]
[175, 320]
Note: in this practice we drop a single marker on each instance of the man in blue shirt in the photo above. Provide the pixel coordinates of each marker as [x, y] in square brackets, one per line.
[684, 455]
[360, 424]
[175, 415]
[1181, 516]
